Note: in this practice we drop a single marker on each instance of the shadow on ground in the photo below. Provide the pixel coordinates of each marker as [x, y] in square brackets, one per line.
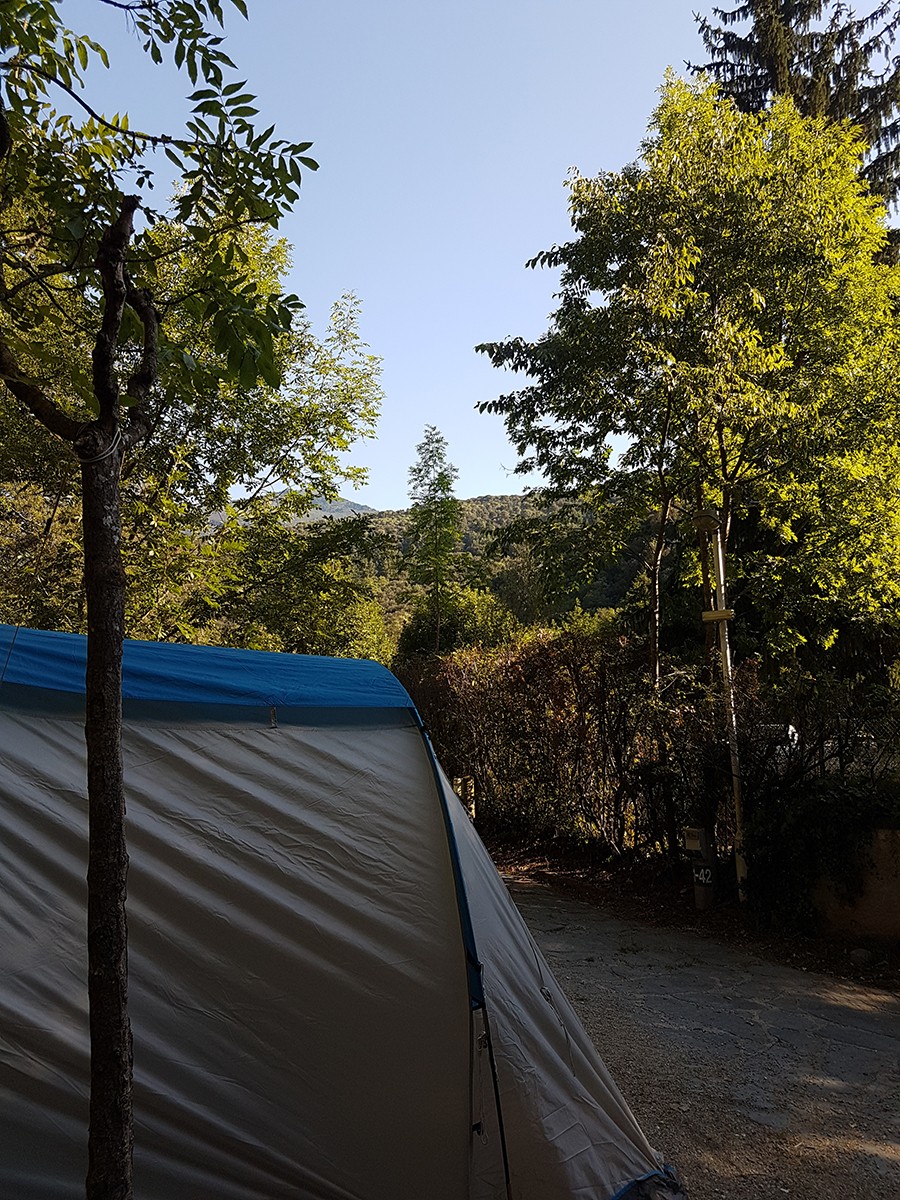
[759, 1080]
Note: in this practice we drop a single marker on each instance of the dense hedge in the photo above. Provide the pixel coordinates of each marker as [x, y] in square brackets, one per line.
[569, 746]
[563, 738]
[820, 830]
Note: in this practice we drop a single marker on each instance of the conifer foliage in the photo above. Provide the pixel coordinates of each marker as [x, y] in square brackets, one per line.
[829, 60]
[434, 525]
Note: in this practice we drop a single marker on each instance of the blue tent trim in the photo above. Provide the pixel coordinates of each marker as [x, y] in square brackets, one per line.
[473, 963]
[205, 676]
[666, 1184]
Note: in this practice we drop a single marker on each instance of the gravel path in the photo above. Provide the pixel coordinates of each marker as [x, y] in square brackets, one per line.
[757, 1080]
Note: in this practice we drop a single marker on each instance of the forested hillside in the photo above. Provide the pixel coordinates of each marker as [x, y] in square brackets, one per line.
[481, 517]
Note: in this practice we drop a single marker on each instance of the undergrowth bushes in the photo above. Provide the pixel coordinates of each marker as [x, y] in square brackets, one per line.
[561, 735]
[570, 748]
[819, 831]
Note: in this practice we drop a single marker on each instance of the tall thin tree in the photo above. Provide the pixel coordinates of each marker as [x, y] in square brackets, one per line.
[433, 530]
[78, 268]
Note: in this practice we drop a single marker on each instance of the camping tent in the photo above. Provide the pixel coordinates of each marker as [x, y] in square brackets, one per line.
[332, 996]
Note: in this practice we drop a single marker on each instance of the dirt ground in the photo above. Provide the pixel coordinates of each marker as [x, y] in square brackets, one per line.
[757, 1079]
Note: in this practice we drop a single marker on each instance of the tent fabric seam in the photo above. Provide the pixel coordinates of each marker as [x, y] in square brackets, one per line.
[474, 967]
[12, 643]
[473, 963]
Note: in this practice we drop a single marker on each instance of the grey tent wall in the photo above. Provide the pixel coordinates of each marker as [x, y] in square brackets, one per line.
[473, 964]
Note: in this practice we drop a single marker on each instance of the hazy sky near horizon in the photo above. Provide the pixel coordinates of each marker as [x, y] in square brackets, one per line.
[444, 134]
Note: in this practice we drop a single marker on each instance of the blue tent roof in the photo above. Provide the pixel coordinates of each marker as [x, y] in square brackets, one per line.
[202, 675]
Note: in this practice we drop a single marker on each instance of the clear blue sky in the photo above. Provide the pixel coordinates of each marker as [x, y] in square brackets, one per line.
[444, 134]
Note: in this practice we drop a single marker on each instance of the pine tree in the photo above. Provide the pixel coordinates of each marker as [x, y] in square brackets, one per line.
[830, 61]
[434, 525]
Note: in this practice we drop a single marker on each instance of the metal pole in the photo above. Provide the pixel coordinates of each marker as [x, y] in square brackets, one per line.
[730, 713]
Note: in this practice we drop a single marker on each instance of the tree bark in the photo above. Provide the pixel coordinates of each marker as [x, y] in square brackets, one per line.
[659, 545]
[110, 1137]
[100, 449]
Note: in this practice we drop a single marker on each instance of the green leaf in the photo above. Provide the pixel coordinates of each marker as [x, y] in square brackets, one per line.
[210, 108]
[248, 370]
[235, 350]
[268, 370]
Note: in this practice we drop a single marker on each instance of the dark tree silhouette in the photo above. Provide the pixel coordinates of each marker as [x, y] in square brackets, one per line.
[829, 60]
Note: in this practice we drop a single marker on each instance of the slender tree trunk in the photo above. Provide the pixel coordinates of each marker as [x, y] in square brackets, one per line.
[659, 545]
[707, 806]
[706, 587]
[436, 588]
[662, 778]
[110, 1137]
[100, 446]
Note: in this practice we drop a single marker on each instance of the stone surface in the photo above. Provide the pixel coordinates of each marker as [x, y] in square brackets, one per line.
[759, 1081]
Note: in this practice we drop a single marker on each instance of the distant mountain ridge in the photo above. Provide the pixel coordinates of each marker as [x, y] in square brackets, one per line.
[482, 508]
[341, 508]
[480, 518]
